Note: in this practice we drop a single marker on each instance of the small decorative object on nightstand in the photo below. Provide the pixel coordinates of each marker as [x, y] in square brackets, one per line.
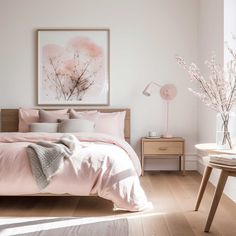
[154, 147]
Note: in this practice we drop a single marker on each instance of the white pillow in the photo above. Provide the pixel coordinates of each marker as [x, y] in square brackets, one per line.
[75, 126]
[44, 127]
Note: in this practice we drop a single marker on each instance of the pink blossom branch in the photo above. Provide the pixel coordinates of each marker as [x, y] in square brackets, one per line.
[218, 92]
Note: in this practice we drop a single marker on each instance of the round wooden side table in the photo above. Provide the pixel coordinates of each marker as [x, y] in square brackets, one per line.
[226, 170]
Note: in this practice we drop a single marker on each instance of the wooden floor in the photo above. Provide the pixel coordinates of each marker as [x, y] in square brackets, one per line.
[173, 197]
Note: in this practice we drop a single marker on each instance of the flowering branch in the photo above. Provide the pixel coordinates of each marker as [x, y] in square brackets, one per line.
[218, 91]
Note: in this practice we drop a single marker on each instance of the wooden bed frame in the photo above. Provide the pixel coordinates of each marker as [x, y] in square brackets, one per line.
[10, 119]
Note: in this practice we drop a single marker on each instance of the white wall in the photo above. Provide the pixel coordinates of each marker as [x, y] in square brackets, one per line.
[217, 22]
[229, 30]
[211, 38]
[229, 27]
[145, 36]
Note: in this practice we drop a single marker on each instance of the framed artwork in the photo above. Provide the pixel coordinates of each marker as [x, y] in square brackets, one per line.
[73, 66]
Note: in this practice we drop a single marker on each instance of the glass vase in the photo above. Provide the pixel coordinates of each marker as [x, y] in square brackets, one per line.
[226, 130]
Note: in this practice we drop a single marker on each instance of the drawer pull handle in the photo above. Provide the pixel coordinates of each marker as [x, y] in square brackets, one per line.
[163, 148]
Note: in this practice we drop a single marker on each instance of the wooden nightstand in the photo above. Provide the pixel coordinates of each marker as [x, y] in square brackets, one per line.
[154, 147]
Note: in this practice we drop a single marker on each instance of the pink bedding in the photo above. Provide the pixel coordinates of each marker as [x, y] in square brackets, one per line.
[106, 166]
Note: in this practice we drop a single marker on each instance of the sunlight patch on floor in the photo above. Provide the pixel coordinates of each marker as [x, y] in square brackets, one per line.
[23, 225]
[10, 226]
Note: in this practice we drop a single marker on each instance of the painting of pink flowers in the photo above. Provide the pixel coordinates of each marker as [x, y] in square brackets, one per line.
[73, 67]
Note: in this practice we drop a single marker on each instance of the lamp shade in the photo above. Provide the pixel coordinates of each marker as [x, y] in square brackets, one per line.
[147, 90]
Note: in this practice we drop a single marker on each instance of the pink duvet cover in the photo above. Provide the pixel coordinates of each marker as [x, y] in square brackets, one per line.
[106, 166]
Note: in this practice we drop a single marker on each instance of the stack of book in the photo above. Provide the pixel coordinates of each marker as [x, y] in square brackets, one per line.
[225, 159]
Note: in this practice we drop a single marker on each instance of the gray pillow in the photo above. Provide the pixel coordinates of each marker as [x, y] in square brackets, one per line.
[75, 126]
[44, 127]
[52, 116]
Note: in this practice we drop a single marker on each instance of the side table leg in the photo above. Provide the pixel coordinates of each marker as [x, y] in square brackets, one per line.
[183, 164]
[180, 163]
[142, 165]
[216, 199]
[142, 157]
[205, 178]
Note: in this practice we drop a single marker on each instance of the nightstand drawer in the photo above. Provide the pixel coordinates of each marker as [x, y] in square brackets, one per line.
[168, 148]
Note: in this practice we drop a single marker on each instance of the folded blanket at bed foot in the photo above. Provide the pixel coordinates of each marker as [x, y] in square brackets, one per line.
[81, 164]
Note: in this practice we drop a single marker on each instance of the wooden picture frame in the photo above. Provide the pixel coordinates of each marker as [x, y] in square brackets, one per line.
[73, 66]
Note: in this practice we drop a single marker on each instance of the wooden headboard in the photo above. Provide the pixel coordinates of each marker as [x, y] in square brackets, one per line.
[10, 119]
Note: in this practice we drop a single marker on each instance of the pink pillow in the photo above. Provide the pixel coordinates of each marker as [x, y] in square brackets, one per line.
[52, 117]
[26, 117]
[87, 115]
[111, 123]
[108, 123]
[29, 116]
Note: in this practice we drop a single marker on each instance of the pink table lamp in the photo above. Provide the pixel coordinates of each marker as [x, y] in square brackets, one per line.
[168, 93]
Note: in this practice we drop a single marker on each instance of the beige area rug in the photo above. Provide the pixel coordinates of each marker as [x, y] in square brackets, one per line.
[86, 226]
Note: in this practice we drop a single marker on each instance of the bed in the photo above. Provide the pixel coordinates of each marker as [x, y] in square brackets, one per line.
[100, 164]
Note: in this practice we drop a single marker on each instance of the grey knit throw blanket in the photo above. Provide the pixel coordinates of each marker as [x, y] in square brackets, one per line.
[46, 158]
